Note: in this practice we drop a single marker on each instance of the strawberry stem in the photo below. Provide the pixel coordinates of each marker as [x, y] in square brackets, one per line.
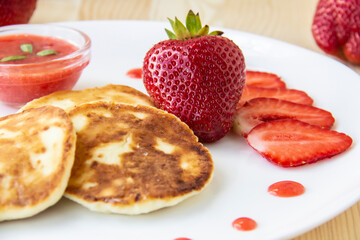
[193, 28]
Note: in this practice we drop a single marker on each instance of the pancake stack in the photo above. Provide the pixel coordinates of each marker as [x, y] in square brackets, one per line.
[125, 156]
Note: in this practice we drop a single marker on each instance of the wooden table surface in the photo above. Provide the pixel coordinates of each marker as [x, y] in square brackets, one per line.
[285, 20]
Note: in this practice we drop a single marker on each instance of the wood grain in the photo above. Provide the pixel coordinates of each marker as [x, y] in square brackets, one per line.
[285, 20]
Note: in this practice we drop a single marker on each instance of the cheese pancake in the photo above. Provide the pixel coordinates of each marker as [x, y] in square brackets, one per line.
[134, 159]
[37, 149]
[70, 98]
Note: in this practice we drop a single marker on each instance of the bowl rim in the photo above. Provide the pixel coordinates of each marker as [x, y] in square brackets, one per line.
[83, 48]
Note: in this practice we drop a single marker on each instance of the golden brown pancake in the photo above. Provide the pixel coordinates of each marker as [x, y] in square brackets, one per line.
[37, 149]
[134, 159]
[110, 93]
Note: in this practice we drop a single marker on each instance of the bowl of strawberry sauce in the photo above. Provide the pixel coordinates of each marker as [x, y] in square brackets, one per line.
[38, 59]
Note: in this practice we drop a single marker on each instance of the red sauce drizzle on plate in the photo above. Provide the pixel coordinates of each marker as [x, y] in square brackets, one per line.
[135, 73]
[244, 224]
[182, 238]
[286, 189]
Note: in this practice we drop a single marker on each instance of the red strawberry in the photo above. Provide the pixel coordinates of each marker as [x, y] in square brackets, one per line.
[291, 95]
[16, 11]
[263, 79]
[290, 143]
[336, 28]
[259, 110]
[197, 76]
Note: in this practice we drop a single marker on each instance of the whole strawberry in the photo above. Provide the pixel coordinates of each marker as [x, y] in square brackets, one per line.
[16, 11]
[196, 76]
[336, 28]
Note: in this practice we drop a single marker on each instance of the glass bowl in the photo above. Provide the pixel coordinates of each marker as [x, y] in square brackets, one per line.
[22, 80]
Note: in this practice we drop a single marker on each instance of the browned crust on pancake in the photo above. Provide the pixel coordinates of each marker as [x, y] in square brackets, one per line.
[154, 174]
[129, 90]
[16, 161]
[91, 95]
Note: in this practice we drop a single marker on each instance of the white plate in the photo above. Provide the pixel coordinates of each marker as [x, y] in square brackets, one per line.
[241, 178]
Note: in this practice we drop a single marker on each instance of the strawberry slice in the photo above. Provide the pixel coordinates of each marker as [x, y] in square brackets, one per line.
[292, 95]
[263, 79]
[290, 143]
[259, 110]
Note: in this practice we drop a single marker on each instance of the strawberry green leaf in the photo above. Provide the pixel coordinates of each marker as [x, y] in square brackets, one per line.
[203, 31]
[193, 23]
[170, 34]
[198, 22]
[218, 33]
[180, 30]
[172, 23]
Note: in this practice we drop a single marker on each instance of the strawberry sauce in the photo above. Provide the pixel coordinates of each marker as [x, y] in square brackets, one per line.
[46, 65]
[244, 224]
[286, 189]
[10, 45]
[134, 73]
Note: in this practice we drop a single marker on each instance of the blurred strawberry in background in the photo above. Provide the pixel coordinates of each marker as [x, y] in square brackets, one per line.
[16, 11]
[336, 28]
